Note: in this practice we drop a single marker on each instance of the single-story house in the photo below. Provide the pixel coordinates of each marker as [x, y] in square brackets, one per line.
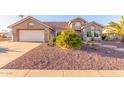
[32, 29]
[6, 34]
[110, 35]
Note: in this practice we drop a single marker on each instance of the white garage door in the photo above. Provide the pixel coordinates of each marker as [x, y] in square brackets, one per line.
[31, 35]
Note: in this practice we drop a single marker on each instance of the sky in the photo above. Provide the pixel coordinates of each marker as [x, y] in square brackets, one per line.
[6, 20]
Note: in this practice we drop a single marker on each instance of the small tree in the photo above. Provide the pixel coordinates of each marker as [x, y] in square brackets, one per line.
[69, 39]
[21, 16]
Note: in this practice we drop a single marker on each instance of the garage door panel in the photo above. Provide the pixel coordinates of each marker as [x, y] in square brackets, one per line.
[31, 35]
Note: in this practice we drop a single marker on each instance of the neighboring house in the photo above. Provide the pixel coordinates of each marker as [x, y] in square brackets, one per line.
[110, 35]
[31, 29]
[6, 34]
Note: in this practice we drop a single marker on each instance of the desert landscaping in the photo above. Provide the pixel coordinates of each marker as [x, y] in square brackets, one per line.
[54, 58]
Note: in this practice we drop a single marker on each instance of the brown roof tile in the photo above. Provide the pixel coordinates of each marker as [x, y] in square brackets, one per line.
[58, 25]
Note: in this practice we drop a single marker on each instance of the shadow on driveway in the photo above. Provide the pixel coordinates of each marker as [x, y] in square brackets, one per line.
[5, 50]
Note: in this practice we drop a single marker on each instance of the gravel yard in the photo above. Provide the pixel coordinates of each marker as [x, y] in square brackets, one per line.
[54, 58]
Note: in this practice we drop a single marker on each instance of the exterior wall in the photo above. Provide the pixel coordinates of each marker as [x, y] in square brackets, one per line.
[83, 32]
[88, 28]
[77, 28]
[24, 26]
[15, 35]
[48, 34]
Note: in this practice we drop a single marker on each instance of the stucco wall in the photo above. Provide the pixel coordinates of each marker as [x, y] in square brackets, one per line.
[88, 28]
[24, 26]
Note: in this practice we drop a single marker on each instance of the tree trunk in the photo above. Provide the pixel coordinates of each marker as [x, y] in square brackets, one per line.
[122, 39]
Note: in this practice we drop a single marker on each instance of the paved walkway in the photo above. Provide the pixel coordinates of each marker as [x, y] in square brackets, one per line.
[109, 46]
[11, 50]
[112, 47]
[61, 73]
[120, 49]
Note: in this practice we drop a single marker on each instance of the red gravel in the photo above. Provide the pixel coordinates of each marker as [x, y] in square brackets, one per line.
[54, 58]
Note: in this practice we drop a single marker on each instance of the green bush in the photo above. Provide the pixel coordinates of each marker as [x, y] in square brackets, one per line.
[69, 39]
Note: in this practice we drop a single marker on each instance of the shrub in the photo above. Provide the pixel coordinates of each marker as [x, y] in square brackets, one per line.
[106, 37]
[2, 36]
[69, 39]
[51, 41]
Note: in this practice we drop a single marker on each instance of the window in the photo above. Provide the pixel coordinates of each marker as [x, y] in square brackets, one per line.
[96, 34]
[58, 33]
[77, 24]
[93, 34]
[89, 34]
[31, 24]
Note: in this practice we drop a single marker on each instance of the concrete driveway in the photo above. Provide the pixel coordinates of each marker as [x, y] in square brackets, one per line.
[11, 50]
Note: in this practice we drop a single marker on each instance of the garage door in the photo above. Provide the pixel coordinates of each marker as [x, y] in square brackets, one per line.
[31, 35]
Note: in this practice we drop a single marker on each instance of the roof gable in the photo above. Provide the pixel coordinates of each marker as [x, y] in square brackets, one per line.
[26, 18]
[79, 19]
[94, 23]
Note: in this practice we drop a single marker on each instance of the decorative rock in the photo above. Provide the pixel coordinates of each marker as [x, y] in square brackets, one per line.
[54, 58]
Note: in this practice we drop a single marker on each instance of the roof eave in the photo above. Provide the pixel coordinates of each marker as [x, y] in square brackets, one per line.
[28, 17]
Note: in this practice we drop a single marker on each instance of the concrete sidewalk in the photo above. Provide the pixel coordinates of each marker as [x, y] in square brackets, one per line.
[61, 73]
[113, 47]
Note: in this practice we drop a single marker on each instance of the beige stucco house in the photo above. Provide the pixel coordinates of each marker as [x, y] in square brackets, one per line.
[31, 29]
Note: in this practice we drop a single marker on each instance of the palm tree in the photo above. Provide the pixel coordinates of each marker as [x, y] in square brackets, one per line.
[117, 28]
[21, 16]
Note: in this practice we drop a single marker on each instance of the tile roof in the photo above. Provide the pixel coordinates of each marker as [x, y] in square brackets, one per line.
[93, 22]
[79, 18]
[58, 25]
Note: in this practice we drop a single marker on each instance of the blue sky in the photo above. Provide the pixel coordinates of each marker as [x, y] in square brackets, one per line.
[6, 20]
